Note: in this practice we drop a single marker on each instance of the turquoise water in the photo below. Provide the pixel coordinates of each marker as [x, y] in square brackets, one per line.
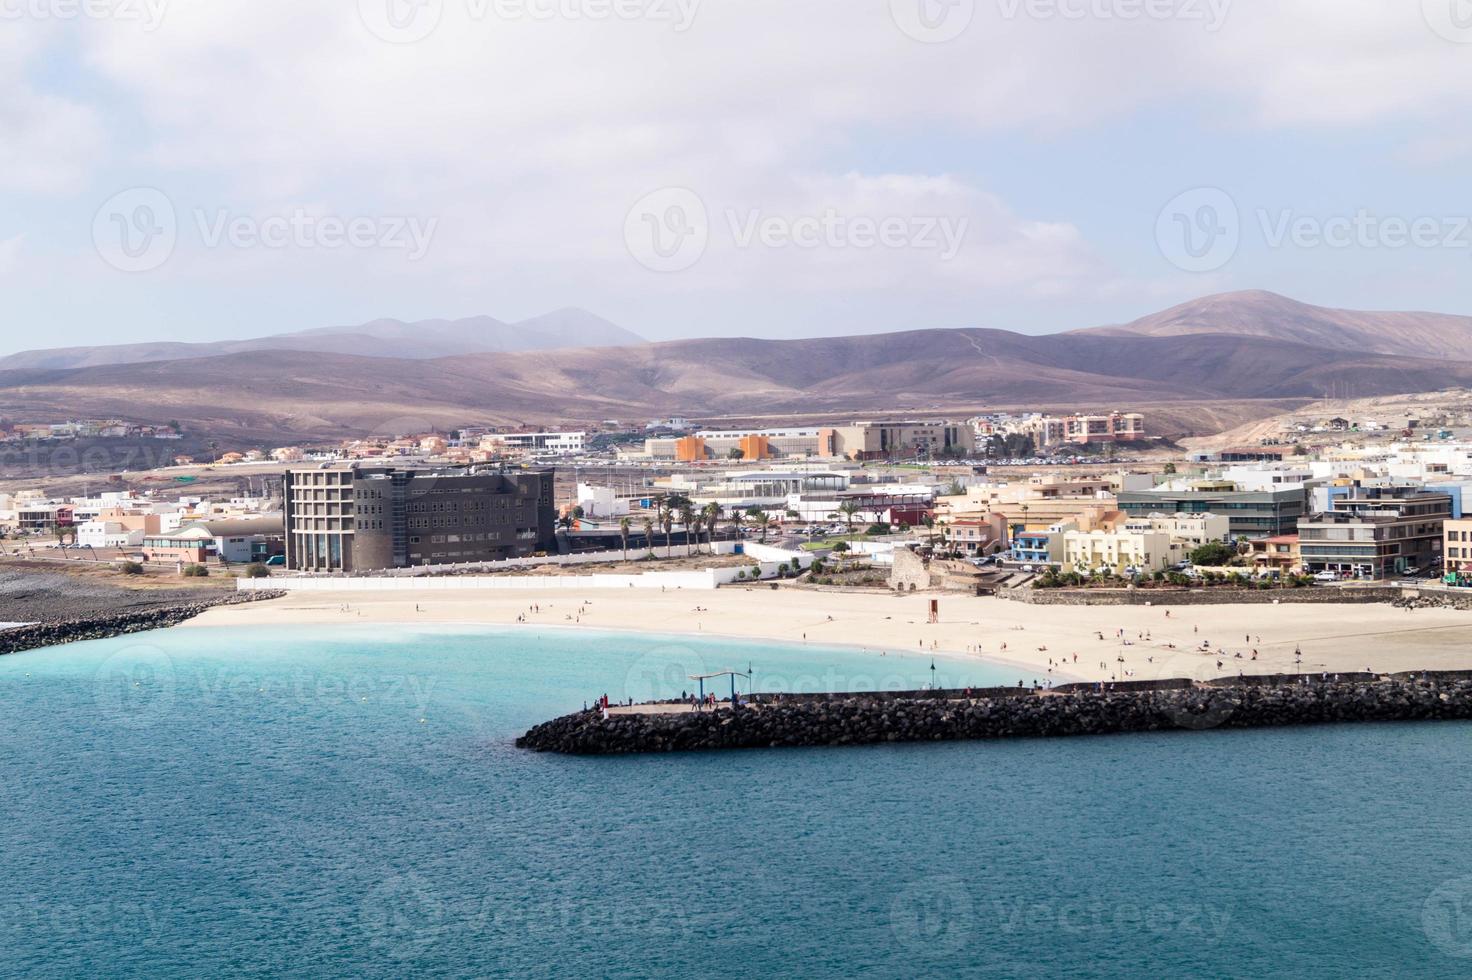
[321, 802]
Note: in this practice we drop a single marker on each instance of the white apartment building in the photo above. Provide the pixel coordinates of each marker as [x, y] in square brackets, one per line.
[540, 443]
[102, 533]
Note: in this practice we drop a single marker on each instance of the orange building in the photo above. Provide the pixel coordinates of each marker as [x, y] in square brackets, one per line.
[689, 449]
[755, 447]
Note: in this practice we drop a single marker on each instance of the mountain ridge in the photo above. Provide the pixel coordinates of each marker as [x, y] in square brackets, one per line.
[1228, 348]
[417, 340]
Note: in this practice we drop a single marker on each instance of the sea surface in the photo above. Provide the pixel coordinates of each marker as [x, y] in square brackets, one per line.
[336, 802]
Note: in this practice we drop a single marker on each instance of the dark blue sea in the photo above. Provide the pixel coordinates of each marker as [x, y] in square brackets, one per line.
[347, 802]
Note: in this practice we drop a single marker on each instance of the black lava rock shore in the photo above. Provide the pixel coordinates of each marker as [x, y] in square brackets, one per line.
[865, 720]
[38, 635]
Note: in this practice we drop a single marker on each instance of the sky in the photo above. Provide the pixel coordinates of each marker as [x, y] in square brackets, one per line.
[209, 169]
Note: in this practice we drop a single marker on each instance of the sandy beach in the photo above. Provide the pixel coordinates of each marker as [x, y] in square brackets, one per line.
[1061, 642]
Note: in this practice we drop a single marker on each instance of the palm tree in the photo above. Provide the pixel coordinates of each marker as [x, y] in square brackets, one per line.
[686, 514]
[697, 521]
[649, 534]
[848, 509]
[667, 521]
[762, 520]
[623, 533]
[712, 517]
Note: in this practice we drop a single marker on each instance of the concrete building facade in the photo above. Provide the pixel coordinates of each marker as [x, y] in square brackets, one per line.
[1378, 532]
[1250, 513]
[352, 518]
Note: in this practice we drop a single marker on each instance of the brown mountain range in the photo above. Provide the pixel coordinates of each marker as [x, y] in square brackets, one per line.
[1222, 348]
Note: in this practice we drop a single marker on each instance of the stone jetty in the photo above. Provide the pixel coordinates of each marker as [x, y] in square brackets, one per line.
[864, 719]
[36, 635]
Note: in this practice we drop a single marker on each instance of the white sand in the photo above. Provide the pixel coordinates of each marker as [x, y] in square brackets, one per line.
[1332, 637]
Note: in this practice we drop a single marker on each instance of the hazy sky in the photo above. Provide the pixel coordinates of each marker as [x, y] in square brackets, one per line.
[202, 169]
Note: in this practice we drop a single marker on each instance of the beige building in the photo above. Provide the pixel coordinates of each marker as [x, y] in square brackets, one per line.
[1187, 531]
[1457, 545]
[1119, 550]
[1036, 504]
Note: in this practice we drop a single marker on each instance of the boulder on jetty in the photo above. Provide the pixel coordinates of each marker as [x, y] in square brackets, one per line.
[865, 720]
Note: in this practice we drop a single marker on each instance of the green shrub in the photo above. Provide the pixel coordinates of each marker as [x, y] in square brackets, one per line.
[1213, 553]
[130, 568]
[195, 571]
[257, 570]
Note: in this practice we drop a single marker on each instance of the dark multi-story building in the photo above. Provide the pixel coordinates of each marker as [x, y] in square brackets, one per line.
[1377, 532]
[1249, 513]
[355, 517]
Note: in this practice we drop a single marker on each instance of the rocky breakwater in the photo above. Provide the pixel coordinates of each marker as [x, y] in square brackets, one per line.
[859, 720]
[47, 634]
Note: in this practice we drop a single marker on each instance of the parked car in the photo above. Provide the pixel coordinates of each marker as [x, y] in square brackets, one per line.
[1325, 577]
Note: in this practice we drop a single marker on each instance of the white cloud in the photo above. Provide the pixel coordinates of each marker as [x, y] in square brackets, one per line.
[529, 139]
[48, 143]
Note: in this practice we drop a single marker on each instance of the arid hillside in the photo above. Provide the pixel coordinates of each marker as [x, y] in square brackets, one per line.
[1234, 349]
